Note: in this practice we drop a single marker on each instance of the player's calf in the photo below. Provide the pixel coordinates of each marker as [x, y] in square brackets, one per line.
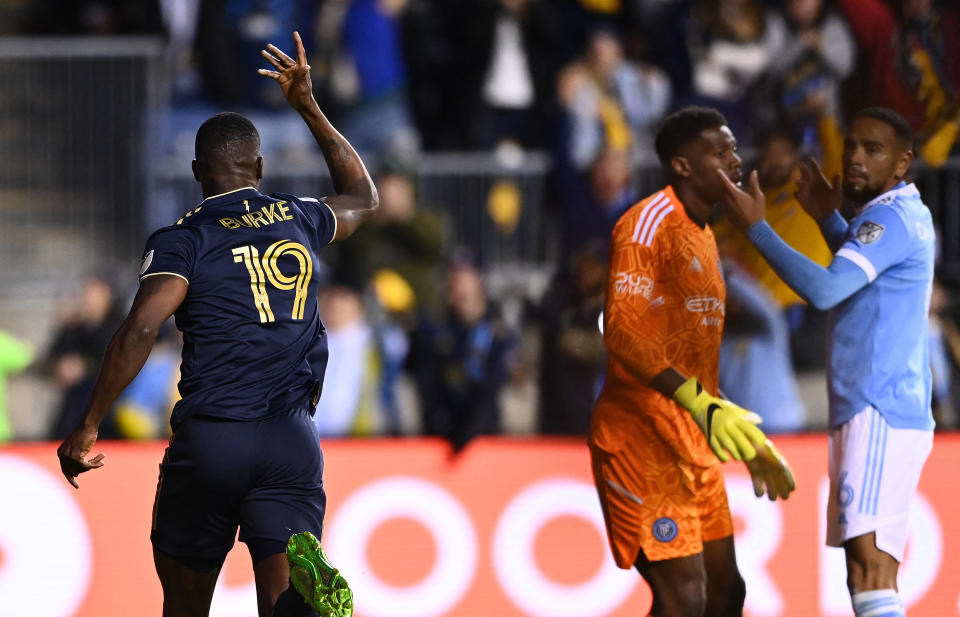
[872, 579]
[725, 598]
[685, 600]
[679, 586]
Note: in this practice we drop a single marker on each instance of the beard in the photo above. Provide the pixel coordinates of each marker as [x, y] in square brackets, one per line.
[861, 195]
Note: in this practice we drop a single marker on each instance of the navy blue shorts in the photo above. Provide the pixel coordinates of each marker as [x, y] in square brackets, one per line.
[263, 476]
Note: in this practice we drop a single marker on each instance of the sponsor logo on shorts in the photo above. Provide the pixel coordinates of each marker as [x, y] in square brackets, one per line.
[664, 529]
[869, 232]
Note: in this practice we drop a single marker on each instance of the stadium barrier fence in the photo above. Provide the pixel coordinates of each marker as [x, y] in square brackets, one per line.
[86, 170]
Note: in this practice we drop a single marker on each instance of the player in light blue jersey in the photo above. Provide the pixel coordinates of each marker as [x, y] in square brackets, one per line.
[877, 290]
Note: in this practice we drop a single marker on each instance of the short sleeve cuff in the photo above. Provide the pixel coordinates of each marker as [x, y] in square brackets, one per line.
[170, 273]
[324, 213]
[861, 261]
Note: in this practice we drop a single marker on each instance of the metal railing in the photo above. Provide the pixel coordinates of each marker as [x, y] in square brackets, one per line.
[75, 132]
[82, 181]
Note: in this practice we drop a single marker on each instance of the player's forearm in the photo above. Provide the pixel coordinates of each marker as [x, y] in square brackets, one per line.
[641, 356]
[125, 356]
[347, 171]
[667, 381]
[834, 228]
[822, 287]
[651, 372]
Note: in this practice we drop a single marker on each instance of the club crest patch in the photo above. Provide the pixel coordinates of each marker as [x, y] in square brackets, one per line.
[147, 260]
[869, 232]
[664, 529]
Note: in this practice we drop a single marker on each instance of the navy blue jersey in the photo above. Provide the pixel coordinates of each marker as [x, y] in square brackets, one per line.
[253, 344]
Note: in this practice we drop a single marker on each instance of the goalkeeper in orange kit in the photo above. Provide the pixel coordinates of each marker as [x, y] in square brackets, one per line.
[659, 430]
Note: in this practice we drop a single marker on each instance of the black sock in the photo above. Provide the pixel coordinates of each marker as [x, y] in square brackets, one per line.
[291, 604]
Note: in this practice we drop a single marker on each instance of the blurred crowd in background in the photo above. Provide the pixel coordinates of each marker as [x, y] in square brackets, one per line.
[420, 341]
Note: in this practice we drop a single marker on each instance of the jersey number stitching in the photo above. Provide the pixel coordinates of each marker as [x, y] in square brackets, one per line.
[266, 269]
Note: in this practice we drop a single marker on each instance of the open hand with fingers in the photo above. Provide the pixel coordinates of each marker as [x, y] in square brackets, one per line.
[73, 454]
[818, 197]
[771, 473]
[730, 430]
[292, 75]
[743, 207]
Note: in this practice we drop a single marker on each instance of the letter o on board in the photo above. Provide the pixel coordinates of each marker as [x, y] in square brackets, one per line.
[42, 530]
[428, 504]
[515, 564]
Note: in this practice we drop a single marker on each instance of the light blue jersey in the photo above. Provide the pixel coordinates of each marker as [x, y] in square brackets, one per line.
[755, 367]
[878, 338]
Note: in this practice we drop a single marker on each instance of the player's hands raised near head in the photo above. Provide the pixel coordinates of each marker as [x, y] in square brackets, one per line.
[818, 197]
[743, 207]
[73, 454]
[770, 471]
[292, 75]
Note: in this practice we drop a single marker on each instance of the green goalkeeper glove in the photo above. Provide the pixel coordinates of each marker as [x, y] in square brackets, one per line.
[770, 469]
[727, 427]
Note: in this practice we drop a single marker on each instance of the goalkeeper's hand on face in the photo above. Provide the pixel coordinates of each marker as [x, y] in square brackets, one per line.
[728, 428]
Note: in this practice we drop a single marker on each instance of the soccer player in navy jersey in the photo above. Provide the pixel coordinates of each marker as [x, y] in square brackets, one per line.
[239, 273]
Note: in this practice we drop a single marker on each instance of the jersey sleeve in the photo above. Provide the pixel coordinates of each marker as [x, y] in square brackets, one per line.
[169, 251]
[630, 333]
[326, 220]
[880, 240]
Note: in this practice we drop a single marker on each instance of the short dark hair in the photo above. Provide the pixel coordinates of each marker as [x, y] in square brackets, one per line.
[683, 126]
[901, 128]
[224, 136]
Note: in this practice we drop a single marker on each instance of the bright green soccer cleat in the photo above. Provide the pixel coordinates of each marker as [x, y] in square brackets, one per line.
[318, 582]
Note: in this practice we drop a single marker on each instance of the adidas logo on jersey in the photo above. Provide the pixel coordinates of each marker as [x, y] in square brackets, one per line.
[695, 265]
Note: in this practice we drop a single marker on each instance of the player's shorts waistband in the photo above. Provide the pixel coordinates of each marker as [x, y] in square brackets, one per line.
[300, 406]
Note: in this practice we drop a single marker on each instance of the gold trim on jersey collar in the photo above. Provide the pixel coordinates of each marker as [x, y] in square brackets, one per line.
[205, 199]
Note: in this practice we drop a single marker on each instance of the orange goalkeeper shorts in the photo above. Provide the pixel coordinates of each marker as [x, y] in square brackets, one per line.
[653, 501]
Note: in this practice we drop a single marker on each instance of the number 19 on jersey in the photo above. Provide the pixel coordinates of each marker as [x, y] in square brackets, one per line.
[265, 269]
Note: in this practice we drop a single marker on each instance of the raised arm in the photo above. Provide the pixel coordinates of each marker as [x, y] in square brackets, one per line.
[821, 200]
[158, 297]
[822, 287]
[356, 197]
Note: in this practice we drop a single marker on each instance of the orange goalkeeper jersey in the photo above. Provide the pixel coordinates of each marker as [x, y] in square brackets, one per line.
[664, 307]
